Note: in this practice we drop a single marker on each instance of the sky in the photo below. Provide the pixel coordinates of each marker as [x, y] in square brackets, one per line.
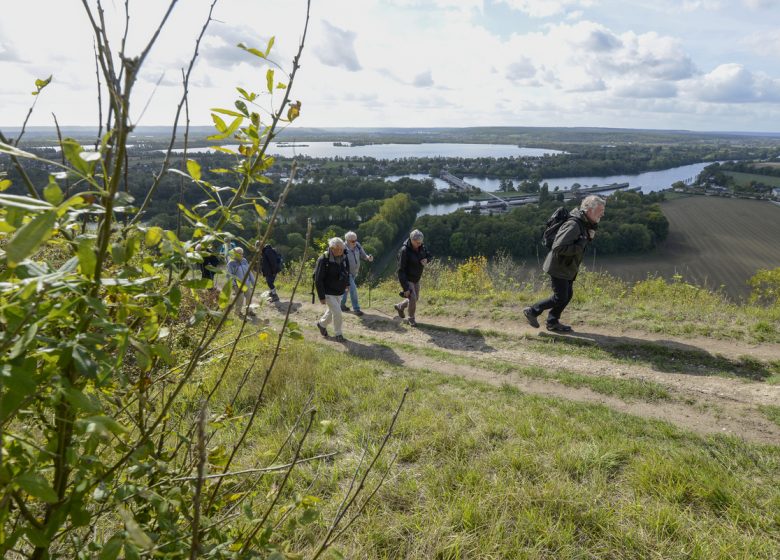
[661, 64]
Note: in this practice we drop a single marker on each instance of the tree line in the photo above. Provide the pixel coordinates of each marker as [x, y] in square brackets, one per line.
[634, 223]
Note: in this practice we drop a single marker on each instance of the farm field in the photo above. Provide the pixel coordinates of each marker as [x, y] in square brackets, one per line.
[744, 179]
[712, 242]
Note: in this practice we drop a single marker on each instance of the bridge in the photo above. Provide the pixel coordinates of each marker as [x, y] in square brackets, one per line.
[457, 183]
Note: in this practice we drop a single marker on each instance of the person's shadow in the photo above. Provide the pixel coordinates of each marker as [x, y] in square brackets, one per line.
[669, 356]
[281, 306]
[454, 339]
[373, 352]
[381, 323]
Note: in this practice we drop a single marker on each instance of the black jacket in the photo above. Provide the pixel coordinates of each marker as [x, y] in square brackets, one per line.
[210, 262]
[410, 268]
[564, 259]
[331, 277]
[269, 263]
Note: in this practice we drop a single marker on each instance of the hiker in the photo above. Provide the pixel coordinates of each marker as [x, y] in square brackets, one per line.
[563, 262]
[270, 266]
[209, 265]
[354, 252]
[331, 278]
[243, 281]
[412, 258]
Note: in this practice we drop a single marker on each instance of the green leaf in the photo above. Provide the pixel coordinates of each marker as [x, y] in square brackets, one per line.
[111, 549]
[227, 112]
[52, 192]
[251, 50]
[269, 80]
[281, 85]
[24, 202]
[87, 257]
[4, 184]
[262, 212]
[241, 106]
[84, 363]
[72, 150]
[219, 124]
[37, 486]
[81, 401]
[224, 295]
[194, 169]
[23, 341]
[197, 284]
[102, 424]
[30, 236]
[135, 534]
[40, 84]
[270, 45]
[153, 236]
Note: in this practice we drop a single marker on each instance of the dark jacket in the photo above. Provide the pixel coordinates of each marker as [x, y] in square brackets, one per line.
[564, 259]
[331, 276]
[210, 262]
[269, 261]
[410, 268]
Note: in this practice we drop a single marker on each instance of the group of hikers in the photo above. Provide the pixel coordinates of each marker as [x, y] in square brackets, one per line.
[337, 269]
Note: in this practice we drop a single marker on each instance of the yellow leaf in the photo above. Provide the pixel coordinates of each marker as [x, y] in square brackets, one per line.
[4, 184]
[194, 169]
[263, 336]
[153, 236]
[294, 111]
[262, 212]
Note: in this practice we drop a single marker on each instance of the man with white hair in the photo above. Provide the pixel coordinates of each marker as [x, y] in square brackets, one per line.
[353, 252]
[331, 278]
[412, 258]
[564, 260]
[243, 281]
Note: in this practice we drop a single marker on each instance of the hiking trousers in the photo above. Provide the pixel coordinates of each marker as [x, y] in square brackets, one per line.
[410, 303]
[333, 312]
[563, 291]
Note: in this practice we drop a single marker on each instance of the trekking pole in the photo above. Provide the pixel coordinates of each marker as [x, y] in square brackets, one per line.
[369, 284]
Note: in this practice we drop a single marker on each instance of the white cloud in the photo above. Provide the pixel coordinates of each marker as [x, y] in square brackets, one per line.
[520, 70]
[423, 79]
[338, 48]
[733, 83]
[646, 89]
[764, 43]
[545, 8]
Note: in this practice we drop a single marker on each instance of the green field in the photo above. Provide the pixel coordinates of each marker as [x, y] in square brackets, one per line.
[712, 242]
[744, 179]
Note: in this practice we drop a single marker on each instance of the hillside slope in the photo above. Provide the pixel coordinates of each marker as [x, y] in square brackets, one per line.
[699, 384]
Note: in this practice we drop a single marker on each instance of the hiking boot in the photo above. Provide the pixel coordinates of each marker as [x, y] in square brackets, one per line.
[251, 313]
[273, 298]
[530, 316]
[339, 338]
[323, 330]
[558, 327]
[359, 313]
[400, 310]
[344, 308]
[412, 322]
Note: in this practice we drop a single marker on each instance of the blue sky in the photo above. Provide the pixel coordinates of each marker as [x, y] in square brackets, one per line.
[662, 64]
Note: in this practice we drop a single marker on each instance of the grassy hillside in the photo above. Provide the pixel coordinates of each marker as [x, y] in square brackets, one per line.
[611, 443]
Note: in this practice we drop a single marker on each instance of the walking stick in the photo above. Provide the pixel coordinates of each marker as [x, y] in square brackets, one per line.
[369, 285]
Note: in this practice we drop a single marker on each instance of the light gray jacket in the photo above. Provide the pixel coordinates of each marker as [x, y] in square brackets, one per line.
[354, 256]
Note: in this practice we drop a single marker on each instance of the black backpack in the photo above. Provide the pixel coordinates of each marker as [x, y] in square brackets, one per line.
[552, 226]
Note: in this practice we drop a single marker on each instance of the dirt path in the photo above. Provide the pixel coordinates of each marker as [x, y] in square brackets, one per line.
[704, 404]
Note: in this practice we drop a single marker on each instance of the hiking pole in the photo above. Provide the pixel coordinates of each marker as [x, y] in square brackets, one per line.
[369, 284]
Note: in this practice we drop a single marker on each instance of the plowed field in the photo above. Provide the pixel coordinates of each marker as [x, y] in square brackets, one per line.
[712, 242]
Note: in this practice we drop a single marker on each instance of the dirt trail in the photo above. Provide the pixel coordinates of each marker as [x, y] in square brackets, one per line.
[704, 404]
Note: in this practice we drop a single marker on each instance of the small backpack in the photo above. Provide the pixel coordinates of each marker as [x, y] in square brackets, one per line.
[552, 226]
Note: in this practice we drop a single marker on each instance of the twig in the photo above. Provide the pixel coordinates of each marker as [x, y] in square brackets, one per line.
[195, 545]
[260, 470]
[328, 539]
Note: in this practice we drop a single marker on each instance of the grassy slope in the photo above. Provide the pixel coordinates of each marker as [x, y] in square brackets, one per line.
[488, 472]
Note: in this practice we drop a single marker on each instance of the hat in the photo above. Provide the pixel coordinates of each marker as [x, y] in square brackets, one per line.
[238, 251]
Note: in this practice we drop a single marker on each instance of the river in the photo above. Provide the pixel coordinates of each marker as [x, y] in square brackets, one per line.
[650, 181]
[395, 151]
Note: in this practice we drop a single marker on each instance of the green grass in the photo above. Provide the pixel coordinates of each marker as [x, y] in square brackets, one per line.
[744, 179]
[488, 472]
[772, 412]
